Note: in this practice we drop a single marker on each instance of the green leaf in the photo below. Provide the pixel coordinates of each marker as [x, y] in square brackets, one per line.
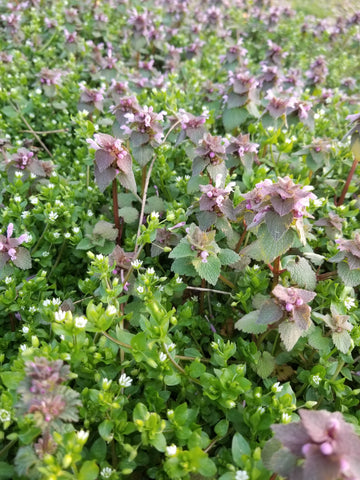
[196, 369]
[195, 181]
[143, 154]
[351, 278]
[105, 430]
[265, 365]
[209, 270]
[98, 450]
[159, 442]
[105, 229]
[248, 323]
[318, 341]
[140, 412]
[23, 258]
[278, 225]
[289, 334]
[84, 244]
[6, 471]
[342, 341]
[88, 471]
[11, 380]
[154, 204]
[183, 267]
[234, 118]
[173, 379]
[29, 435]
[227, 256]
[266, 248]
[206, 467]
[239, 447]
[302, 273]
[221, 428]
[129, 214]
[181, 250]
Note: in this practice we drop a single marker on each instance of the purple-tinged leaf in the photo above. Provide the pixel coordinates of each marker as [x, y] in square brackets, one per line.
[282, 207]
[103, 160]
[301, 315]
[23, 258]
[104, 179]
[270, 312]
[289, 334]
[128, 181]
[106, 230]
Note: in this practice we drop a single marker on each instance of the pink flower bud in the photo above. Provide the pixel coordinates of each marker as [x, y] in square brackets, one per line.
[204, 254]
[289, 307]
[299, 302]
[326, 448]
[306, 448]
[211, 154]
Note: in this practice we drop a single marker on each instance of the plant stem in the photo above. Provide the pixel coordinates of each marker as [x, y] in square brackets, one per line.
[338, 370]
[58, 258]
[347, 184]
[240, 242]
[225, 280]
[210, 290]
[8, 446]
[143, 179]
[118, 223]
[276, 271]
[326, 275]
[177, 366]
[33, 250]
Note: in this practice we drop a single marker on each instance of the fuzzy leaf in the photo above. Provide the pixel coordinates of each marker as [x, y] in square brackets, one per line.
[143, 154]
[289, 334]
[302, 273]
[129, 214]
[234, 118]
[266, 248]
[228, 257]
[127, 180]
[106, 230]
[351, 278]
[181, 250]
[265, 365]
[248, 323]
[278, 459]
[209, 270]
[182, 267]
[23, 258]
[195, 181]
[318, 341]
[154, 204]
[104, 179]
[137, 139]
[270, 312]
[278, 225]
[199, 164]
[103, 160]
[84, 244]
[342, 341]
[282, 207]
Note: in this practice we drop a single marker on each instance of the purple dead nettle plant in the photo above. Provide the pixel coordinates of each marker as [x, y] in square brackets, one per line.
[192, 127]
[235, 54]
[210, 155]
[332, 223]
[26, 162]
[318, 71]
[275, 53]
[278, 106]
[348, 260]
[269, 77]
[122, 263]
[242, 89]
[322, 446]
[118, 89]
[242, 151]
[90, 99]
[215, 198]
[339, 328]
[10, 249]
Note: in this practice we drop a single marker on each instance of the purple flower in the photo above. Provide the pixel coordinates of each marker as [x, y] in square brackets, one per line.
[10, 250]
[294, 302]
[349, 250]
[278, 106]
[50, 77]
[215, 198]
[318, 71]
[322, 446]
[90, 99]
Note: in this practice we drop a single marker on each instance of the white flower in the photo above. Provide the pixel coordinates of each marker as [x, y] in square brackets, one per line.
[8, 280]
[260, 410]
[53, 216]
[316, 379]
[5, 416]
[33, 309]
[285, 418]
[46, 302]
[171, 347]
[276, 388]
[67, 235]
[241, 475]
[179, 280]
[140, 289]
[59, 203]
[17, 199]
[25, 214]
[100, 256]
[34, 200]
[56, 301]
[136, 264]
[89, 213]
[154, 215]
[45, 254]
[105, 384]
[171, 450]
[25, 329]
[125, 381]
[106, 472]
[76, 229]
[162, 356]
[178, 179]
[80, 322]
[170, 413]
[18, 174]
[111, 310]
[59, 316]
[51, 186]
[23, 347]
[349, 302]
[150, 271]
[82, 435]
[56, 234]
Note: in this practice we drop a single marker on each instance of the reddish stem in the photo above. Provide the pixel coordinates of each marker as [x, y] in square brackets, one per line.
[276, 270]
[119, 223]
[242, 238]
[347, 184]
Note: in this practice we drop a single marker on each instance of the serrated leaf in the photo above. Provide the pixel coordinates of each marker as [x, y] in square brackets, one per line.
[127, 180]
[129, 214]
[270, 312]
[318, 341]
[105, 229]
[302, 273]
[342, 341]
[143, 154]
[248, 324]
[84, 244]
[104, 179]
[195, 181]
[266, 248]
[23, 258]
[209, 270]
[265, 365]
[182, 267]
[154, 204]
[351, 278]
[234, 118]
[6, 471]
[183, 249]
[103, 160]
[276, 458]
[289, 334]
[278, 225]
[228, 257]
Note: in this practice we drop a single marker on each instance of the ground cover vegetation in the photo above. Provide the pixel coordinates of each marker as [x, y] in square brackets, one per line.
[180, 241]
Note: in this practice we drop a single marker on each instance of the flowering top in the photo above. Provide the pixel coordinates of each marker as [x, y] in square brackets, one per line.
[215, 198]
[243, 149]
[145, 122]
[210, 154]
[349, 250]
[111, 160]
[326, 443]
[10, 250]
[26, 161]
[294, 301]
[191, 126]
[90, 99]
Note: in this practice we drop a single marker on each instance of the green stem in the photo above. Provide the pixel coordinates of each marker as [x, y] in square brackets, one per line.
[58, 258]
[8, 446]
[33, 250]
[225, 280]
[338, 370]
[177, 366]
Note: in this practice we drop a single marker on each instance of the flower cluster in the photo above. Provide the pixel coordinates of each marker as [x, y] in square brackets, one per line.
[10, 249]
[326, 445]
[294, 302]
[349, 250]
[215, 198]
[145, 123]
